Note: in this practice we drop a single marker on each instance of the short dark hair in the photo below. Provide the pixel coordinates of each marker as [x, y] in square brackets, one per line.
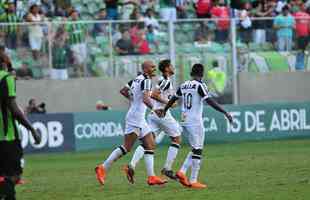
[163, 64]
[197, 70]
[286, 7]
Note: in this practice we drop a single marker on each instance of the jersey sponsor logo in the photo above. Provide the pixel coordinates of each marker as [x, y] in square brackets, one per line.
[98, 130]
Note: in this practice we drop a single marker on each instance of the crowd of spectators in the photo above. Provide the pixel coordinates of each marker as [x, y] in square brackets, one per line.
[290, 18]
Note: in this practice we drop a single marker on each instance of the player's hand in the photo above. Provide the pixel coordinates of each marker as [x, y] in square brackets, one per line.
[36, 136]
[229, 117]
[160, 113]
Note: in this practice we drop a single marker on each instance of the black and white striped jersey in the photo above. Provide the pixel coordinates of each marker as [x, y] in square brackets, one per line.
[192, 94]
[166, 91]
[136, 113]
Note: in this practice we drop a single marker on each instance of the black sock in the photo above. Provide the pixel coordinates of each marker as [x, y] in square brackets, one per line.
[7, 190]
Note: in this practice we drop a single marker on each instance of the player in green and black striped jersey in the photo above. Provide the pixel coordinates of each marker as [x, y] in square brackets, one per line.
[10, 146]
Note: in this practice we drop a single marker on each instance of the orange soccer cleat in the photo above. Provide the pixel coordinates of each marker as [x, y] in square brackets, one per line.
[183, 179]
[129, 171]
[198, 185]
[100, 174]
[155, 180]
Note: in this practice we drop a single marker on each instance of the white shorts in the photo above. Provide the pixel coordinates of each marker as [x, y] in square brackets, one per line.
[141, 130]
[59, 74]
[196, 136]
[79, 53]
[35, 42]
[167, 124]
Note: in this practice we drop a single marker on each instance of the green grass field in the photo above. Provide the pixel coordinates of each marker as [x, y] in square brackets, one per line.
[277, 170]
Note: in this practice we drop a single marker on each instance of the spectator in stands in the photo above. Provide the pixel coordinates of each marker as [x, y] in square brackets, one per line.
[284, 24]
[181, 6]
[101, 28]
[200, 35]
[202, 8]
[112, 6]
[221, 11]
[245, 23]
[24, 72]
[127, 8]
[11, 31]
[302, 19]
[77, 40]
[136, 14]
[138, 39]
[35, 31]
[167, 10]
[150, 19]
[33, 108]
[151, 37]
[261, 9]
[47, 8]
[59, 56]
[124, 45]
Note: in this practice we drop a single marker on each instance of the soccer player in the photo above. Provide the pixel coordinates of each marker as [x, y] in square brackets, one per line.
[161, 95]
[10, 145]
[193, 93]
[136, 126]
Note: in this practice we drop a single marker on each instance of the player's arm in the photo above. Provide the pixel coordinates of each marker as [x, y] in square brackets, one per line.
[125, 91]
[171, 102]
[156, 96]
[203, 92]
[16, 111]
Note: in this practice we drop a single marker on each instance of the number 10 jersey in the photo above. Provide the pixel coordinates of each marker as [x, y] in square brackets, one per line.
[192, 94]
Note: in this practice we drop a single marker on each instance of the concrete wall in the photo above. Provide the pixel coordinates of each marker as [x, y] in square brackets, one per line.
[75, 95]
[274, 87]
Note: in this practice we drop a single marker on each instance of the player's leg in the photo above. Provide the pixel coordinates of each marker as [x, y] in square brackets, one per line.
[148, 142]
[129, 141]
[139, 152]
[10, 168]
[197, 143]
[7, 189]
[181, 174]
[172, 128]
[149, 147]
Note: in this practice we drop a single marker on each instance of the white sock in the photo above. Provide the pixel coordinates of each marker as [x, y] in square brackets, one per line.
[171, 155]
[137, 156]
[116, 154]
[149, 162]
[187, 163]
[195, 168]
[159, 137]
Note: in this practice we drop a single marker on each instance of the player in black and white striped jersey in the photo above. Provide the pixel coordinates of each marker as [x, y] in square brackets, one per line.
[136, 126]
[160, 95]
[193, 93]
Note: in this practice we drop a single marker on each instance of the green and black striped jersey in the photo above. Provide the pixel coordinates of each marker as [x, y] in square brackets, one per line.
[8, 126]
